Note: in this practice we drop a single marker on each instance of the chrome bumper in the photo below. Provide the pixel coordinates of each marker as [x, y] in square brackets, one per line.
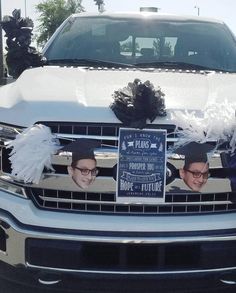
[16, 235]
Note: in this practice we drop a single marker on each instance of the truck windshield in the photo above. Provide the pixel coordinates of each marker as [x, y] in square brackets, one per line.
[154, 42]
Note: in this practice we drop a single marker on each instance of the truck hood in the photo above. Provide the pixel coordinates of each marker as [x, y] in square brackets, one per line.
[53, 93]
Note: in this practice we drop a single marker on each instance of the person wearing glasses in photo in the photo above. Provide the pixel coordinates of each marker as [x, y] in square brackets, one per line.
[83, 169]
[195, 171]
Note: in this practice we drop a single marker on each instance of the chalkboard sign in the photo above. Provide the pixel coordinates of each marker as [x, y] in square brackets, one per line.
[141, 165]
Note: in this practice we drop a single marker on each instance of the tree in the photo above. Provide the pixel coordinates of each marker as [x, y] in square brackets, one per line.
[100, 4]
[163, 48]
[128, 47]
[52, 14]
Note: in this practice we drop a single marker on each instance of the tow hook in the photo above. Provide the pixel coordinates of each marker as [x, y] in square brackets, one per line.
[49, 279]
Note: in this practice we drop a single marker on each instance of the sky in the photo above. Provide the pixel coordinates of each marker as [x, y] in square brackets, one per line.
[224, 10]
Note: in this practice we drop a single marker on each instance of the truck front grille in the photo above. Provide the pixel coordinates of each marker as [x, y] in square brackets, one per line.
[53, 198]
[105, 203]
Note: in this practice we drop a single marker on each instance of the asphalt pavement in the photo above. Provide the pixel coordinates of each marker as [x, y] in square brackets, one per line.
[8, 287]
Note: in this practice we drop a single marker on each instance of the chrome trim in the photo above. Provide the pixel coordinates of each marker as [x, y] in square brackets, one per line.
[112, 202]
[106, 157]
[64, 182]
[14, 231]
[133, 273]
[15, 255]
[106, 184]
[99, 137]
[111, 154]
[76, 136]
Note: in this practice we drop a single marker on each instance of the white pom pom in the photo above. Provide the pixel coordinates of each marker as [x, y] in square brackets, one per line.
[189, 127]
[32, 150]
[217, 123]
[220, 121]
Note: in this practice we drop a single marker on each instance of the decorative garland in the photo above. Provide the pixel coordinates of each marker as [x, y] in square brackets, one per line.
[137, 102]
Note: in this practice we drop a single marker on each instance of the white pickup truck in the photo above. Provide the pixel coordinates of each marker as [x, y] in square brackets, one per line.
[60, 235]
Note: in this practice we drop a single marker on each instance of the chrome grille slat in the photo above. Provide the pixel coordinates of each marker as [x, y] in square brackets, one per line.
[45, 198]
[99, 137]
[104, 205]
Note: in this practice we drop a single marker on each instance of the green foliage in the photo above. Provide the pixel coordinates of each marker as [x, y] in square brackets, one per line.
[162, 48]
[100, 4]
[52, 14]
[128, 47]
[156, 47]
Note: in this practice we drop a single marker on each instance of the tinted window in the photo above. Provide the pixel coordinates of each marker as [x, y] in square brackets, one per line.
[135, 41]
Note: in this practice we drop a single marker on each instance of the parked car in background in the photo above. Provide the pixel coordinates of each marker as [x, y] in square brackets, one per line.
[58, 234]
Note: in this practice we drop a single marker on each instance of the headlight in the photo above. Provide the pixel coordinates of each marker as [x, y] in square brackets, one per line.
[9, 131]
[11, 188]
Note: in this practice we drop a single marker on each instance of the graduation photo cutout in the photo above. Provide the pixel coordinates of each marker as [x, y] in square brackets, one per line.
[195, 171]
[83, 169]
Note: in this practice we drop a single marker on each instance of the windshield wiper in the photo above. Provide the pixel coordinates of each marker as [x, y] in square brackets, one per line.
[177, 65]
[87, 62]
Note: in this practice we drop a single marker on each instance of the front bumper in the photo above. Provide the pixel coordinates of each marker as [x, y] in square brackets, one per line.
[114, 245]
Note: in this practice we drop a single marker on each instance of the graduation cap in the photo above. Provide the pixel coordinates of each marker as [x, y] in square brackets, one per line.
[195, 152]
[82, 148]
